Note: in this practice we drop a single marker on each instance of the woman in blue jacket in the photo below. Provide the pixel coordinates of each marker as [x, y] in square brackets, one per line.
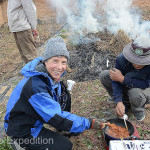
[42, 98]
[129, 82]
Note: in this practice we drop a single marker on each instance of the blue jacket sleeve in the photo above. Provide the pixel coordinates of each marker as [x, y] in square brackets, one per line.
[116, 86]
[51, 113]
[136, 83]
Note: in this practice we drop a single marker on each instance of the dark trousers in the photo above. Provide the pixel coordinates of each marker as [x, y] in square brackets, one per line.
[46, 140]
[107, 83]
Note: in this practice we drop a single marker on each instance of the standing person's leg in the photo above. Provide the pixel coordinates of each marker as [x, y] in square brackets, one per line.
[19, 47]
[26, 45]
[138, 98]
[46, 140]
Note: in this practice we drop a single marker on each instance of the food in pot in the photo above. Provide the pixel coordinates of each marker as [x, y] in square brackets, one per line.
[117, 131]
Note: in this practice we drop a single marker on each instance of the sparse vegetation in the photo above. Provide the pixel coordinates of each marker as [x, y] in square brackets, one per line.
[4, 144]
[63, 36]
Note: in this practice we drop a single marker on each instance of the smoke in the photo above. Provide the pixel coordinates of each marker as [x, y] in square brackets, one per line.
[143, 36]
[83, 39]
[84, 17]
[80, 15]
[121, 15]
[64, 9]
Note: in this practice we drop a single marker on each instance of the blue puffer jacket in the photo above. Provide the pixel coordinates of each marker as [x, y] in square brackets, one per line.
[35, 101]
[133, 78]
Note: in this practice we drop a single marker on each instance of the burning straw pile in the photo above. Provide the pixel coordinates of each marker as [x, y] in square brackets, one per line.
[114, 43]
[89, 59]
[101, 30]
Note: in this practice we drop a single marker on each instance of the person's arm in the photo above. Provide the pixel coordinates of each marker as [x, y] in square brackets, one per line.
[50, 112]
[117, 78]
[30, 11]
[136, 83]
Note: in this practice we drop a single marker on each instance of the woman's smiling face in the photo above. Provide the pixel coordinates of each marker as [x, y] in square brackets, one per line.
[56, 66]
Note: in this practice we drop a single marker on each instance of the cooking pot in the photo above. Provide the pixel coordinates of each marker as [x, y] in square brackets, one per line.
[120, 122]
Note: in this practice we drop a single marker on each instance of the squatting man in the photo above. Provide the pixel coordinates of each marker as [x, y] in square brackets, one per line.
[128, 84]
[42, 98]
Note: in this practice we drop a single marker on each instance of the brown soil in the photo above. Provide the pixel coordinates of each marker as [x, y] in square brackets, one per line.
[142, 3]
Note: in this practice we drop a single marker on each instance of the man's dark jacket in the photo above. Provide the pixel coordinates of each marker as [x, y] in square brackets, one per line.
[134, 78]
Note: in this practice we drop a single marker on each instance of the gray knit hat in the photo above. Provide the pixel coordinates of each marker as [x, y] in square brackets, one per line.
[55, 47]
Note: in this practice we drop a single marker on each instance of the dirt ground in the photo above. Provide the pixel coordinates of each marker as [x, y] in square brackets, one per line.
[142, 3]
[88, 98]
[46, 29]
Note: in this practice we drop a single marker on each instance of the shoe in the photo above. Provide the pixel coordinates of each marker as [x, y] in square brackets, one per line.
[139, 116]
[110, 100]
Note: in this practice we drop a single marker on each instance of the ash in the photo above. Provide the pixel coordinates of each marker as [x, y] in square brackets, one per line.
[87, 60]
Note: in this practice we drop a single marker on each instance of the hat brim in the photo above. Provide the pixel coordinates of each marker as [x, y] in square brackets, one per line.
[133, 58]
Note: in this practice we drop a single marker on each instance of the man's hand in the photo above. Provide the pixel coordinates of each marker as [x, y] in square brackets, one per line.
[120, 109]
[116, 75]
[96, 124]
[35, 33]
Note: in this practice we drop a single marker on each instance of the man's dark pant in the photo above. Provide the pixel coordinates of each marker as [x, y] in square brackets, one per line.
[136, 96]
[107, 83]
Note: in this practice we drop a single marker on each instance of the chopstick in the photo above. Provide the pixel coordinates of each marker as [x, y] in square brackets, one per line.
[125, 124]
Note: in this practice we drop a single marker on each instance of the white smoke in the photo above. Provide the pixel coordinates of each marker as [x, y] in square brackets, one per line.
[86, 18]
[83, 17]
[143, 36]
[81, 21]
[64, 8]
[79, 15]
[121, 15]
[118, 15]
